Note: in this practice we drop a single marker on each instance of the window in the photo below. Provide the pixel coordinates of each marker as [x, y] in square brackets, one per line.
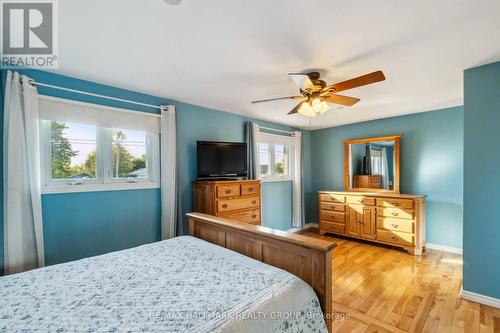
[73, 151]
[81, 156]
[274, 161]
[376, 161]
[129, 151]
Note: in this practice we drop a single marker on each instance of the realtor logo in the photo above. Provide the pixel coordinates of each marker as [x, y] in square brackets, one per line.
[29, 36]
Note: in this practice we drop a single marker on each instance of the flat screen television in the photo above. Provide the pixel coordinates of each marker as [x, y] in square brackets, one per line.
[221, 159]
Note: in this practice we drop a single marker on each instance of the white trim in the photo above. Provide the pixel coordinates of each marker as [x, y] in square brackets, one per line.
[263, 137]
[95, 105]
[271, 179]
[443, 248]
[274, 130]
[98, 187]
[478, 298]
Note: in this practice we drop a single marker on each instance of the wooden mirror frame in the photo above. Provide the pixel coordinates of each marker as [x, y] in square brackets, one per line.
[397, 146]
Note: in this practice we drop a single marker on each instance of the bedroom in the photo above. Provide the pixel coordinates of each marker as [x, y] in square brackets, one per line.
[121, 74]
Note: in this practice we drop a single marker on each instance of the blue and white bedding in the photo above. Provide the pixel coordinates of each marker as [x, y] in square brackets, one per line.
[179, 285]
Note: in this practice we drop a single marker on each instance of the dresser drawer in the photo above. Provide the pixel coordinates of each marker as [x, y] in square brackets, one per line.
[226, 205]
[248, 216]
[361, 200]
[332, 206]
[396, 237]
[332, 216]
[338, 228]
[332, 197]
[228, 190]
[395, 212]
[402, 225]
[247, 189]
[395, 203]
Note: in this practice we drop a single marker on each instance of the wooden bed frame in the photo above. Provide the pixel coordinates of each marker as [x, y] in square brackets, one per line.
[308, 258]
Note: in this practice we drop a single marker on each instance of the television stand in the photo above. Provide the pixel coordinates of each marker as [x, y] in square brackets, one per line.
[234, 199]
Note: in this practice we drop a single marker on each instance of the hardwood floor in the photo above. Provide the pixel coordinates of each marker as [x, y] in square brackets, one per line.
[380, 289]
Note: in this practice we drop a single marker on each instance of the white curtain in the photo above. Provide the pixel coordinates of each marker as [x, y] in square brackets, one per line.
[168, 173]
[385, 169]
[23, 230]
[298, 204]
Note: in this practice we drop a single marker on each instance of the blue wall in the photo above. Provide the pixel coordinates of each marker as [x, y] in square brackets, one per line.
[482, 180]
[431, 163]
[199, 123]
[78, 225]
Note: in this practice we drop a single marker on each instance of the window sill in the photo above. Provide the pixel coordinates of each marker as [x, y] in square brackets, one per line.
[51, 189]
[272, 180]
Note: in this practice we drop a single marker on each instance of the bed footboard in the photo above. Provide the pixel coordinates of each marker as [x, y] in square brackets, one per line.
[308, 258]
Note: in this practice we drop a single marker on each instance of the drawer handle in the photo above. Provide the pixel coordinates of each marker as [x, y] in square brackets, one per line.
[395, 203]
[224, 205]
[250, 189]
[332, 207]
[394, 238]
[361, 222]
[228, 191]
[360, 200]
[254, 202]
[394, 225]
[395, 214]
[254, 216]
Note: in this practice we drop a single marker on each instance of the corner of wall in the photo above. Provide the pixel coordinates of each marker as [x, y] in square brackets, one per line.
[2, 92]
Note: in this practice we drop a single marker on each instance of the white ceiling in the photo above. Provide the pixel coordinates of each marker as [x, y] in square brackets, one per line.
[224, 54]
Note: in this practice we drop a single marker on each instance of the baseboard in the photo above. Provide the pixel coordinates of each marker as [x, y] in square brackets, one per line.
[305, 226]
[443, 248]
[481, 299]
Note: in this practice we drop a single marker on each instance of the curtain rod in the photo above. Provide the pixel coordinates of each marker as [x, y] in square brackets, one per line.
[275, 130]
[34, 83]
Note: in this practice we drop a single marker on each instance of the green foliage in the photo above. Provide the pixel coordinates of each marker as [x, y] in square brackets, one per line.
[123, 161]
[279, 168]
[139, 163]
[90, 165]
[62, 151]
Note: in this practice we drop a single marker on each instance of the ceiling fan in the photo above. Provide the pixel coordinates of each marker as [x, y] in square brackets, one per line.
[315, 93]
[172, 2]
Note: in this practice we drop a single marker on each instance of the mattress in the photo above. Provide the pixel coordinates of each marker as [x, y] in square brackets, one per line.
[182, 284]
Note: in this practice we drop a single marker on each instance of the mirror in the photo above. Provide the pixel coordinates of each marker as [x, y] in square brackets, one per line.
[372, 164]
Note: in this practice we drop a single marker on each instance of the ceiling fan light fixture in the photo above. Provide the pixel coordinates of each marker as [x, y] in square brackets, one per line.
[307, 110]
[320, 107]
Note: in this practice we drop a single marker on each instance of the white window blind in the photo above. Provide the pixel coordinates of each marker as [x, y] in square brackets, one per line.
[58, 109]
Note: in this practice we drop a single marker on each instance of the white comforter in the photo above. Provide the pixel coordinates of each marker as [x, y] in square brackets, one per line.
[178, 285]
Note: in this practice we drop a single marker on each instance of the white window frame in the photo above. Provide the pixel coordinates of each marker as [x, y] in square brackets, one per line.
[272, 140]
[104, 180]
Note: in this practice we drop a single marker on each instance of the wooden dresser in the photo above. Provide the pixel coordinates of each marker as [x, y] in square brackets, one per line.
[365, 181]
[233, 199]
[395, 219]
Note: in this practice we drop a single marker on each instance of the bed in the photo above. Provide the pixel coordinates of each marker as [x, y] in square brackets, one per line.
[185, 284]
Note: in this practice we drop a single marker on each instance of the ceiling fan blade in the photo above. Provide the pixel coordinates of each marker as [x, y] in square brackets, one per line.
[357, 82]
[301, 80]
[276, 99]
[339, 99]
[296, 109]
